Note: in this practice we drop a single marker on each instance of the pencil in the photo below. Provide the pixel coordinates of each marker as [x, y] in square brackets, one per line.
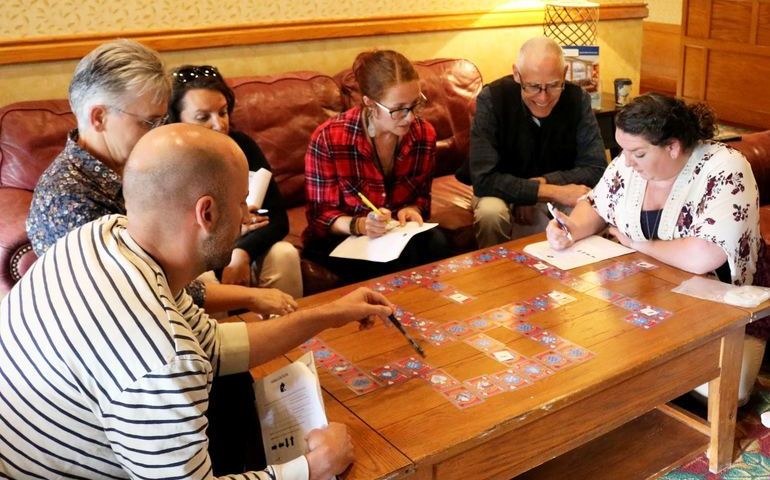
[369, 203]
[411, 340]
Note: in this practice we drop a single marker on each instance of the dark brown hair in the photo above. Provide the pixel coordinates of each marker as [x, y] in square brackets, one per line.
[191, 77]
[661, 119]
[378, 70]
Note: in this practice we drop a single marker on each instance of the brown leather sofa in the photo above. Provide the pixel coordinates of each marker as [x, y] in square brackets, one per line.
[280, 112]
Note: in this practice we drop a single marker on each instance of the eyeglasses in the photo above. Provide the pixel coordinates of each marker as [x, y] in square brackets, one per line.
[536, 88]
[152, 123]
[402, 113]
[186, 74]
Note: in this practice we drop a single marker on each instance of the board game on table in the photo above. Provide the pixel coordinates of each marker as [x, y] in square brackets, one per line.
[526, 362]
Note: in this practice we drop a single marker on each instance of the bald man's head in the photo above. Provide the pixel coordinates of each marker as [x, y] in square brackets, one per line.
[537, 50]
[181, 177]
[540, 70]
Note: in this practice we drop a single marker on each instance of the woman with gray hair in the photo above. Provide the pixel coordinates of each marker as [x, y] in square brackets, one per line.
[119, 92]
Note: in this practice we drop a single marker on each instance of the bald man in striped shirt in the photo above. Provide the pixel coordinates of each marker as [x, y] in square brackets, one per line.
[107, 363]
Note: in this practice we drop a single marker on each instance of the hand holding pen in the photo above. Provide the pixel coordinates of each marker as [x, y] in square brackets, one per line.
[557, 231]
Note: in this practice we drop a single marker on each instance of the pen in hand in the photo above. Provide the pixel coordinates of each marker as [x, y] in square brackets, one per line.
[552, 210]
[401, 329]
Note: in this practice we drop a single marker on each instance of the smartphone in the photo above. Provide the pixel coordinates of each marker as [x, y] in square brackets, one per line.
[262, 211]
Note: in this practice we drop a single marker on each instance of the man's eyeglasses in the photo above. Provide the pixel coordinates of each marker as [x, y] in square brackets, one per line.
[402, 113]
[536, 88]
[186, 74]
[152, 123]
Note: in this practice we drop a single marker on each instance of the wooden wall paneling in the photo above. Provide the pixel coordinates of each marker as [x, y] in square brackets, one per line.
[763, 24]
[693, 85]
[696, 18]
[75, 46]
[661, 57]
[731, 20]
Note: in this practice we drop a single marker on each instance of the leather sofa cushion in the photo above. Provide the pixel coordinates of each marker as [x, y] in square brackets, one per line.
[756, 148]
[31, 135]
[280, 113]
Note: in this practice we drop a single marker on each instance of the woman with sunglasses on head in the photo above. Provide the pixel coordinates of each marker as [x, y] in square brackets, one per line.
[383, 151]
[201, 96]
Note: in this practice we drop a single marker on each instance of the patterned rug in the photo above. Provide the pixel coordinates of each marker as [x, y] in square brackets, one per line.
[753, 463]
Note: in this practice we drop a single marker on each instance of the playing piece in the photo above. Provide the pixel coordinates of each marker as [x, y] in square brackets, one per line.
[484, 386]
[440, 380]
[457, 296]
[413, 366]
[505, 356]
[462, 397]
[532, 370]
[437, 336]
[552, 359]
[655, 312]
[388, 375]
[360, 383]
[458, 329]
[510, 379]
[561, 298]
[484, 343]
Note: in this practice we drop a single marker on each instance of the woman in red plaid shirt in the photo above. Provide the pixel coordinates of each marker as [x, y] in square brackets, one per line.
[383, 150]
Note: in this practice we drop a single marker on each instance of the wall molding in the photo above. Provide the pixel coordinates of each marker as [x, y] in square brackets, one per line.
[66, 47]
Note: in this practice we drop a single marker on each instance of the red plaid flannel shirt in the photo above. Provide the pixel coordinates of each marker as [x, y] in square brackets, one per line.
[340, 161]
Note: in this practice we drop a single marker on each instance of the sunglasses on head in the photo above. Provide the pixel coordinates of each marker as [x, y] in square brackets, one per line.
[187, 74]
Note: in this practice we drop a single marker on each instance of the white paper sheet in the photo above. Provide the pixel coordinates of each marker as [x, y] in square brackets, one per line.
[290, 405]
[584, 252]
[258, 183]
[383, 249]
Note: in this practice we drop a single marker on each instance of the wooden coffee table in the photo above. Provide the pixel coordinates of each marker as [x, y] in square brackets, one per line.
[604, 418]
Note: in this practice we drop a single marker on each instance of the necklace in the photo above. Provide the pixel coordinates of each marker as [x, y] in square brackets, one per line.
[651, 231]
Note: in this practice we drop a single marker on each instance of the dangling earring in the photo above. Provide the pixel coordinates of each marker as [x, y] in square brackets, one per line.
[369, 124]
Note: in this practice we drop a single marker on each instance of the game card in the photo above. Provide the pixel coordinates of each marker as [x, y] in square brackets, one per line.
[546, 338]
[532, 370]
[437, 336]
[520, 310]
[642, 321]
[540, 266]
[655, 312]
[389, 375]
[499, 316]
[312, 344]
[578, 284]
[605, 294]
[413, 366]
[341, 367]
[505, 356]
[458, 329]
[510, 379]
[553, 359]
[381, 287]
[438, 286]
[440, 380]
[484, 257]
[561, 298]
[628, 303]
[525, 328]
[323, 356]
[484, 386]
[481, 323]
[575, 353]
[458, 296]
[462, 397]
[360, 383]
[483, 342]
[542, 303]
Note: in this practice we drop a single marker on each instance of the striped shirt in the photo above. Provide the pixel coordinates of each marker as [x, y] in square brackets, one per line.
[104, 373]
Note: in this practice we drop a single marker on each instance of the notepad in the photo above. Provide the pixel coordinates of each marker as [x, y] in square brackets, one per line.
[382, 249]
[583, 252]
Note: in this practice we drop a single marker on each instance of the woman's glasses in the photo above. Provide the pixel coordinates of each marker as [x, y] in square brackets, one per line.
[186, 74]
[402, 113]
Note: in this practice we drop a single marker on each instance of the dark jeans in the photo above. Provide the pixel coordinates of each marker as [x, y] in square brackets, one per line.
[423, 248]
[235, 440]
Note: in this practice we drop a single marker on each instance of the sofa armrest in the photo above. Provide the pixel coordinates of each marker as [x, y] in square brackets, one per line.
[16, 255]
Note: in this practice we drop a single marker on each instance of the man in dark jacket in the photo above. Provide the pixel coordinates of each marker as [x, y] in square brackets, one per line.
[534, 139]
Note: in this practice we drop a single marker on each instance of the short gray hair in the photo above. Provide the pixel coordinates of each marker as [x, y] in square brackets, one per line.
[116, 73]
[538, 47]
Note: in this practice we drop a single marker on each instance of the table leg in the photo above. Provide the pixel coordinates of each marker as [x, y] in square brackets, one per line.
[723, 401]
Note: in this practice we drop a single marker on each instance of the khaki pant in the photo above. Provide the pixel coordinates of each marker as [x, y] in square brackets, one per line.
[753, 352]
[279, 268]
[493, 221]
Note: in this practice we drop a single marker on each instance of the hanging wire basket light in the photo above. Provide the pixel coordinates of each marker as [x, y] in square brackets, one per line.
[571, 22]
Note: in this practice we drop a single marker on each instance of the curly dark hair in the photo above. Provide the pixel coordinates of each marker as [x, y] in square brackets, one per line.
[661, 119]
[191, 77]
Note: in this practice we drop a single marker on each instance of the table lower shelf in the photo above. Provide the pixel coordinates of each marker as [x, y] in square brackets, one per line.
[644, 448]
